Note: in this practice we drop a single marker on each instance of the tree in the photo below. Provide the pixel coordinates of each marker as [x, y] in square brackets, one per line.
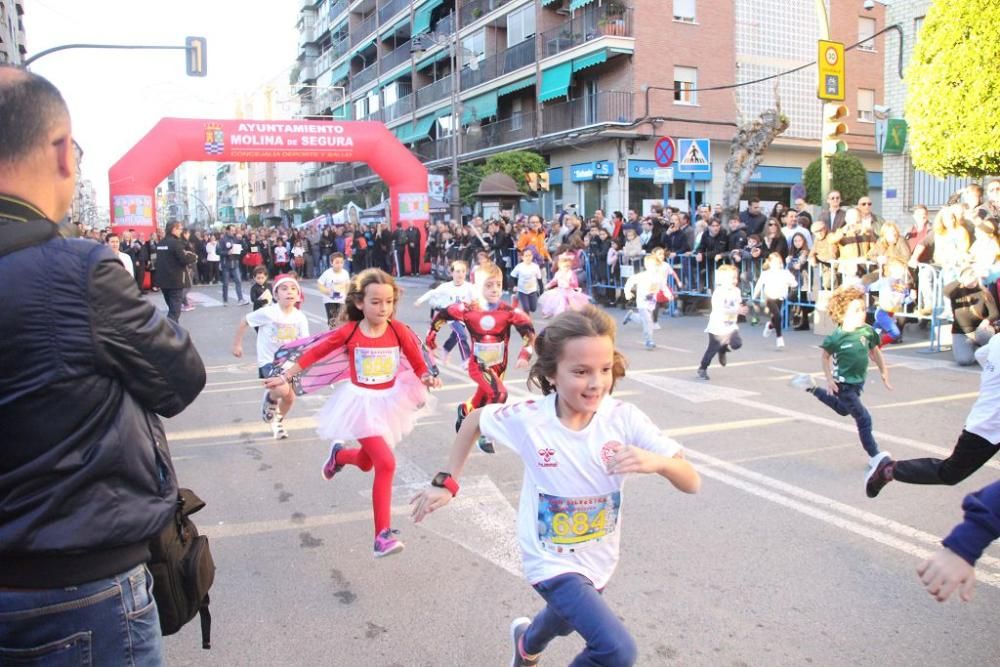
[847, 175]
[515, 164]
[953, 90]
[747, 152]
[469, 178]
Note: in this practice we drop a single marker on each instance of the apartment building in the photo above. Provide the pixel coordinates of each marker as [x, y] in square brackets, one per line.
[590, 84]
[12, 40]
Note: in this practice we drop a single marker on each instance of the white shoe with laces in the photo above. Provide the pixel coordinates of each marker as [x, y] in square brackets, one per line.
[768, 330]
[780, 343]
[803, 381]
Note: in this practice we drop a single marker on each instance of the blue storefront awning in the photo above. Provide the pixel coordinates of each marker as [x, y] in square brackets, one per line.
[516, 86]
[589, 171]
[478, 108]
[422, 17]
[589, 60]
[555, 82]
[643, 170]
[556, 176]
[780, 175]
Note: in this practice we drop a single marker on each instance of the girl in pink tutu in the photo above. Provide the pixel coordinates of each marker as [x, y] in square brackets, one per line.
[387, 391]
[566, 294]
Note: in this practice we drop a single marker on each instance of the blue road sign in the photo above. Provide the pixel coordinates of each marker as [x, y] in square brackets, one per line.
[695, 156]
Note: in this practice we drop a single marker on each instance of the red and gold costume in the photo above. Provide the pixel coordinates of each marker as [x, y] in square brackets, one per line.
[489, 329]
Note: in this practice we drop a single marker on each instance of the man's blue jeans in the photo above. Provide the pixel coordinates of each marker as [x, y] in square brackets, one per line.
[573, 604]
[231, 271]
[847, 402]
[111, 621]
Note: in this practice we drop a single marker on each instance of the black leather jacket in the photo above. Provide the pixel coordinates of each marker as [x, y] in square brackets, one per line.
[87, 365]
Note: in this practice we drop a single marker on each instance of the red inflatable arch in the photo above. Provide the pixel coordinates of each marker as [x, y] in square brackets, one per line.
[133, 179]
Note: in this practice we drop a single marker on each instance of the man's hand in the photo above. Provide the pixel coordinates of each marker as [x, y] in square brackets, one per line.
[945, 572]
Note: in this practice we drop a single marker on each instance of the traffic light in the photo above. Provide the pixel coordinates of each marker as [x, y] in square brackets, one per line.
[543, 181]
[834, 128]
[532, 179]
[196, 56]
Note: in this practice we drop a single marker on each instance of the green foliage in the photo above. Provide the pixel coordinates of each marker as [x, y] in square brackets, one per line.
[469, 178]
[847, 174]
[953, 90]
[253, 220]
[516, 164]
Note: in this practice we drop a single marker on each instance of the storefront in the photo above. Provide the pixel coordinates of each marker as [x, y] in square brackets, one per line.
[591, 181]
[642, 188]
[773, 184]
[552, 201]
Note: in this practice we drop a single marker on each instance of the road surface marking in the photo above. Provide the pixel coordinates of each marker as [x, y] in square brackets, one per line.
[696, 391]
[924, 401]
[724, 426]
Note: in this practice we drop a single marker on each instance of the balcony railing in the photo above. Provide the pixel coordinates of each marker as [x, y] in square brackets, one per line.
[397, 109]
[340, 48]
[390, 9]
[367, 75]
[435, 92]
[518, 127]
[477, 8]
[606, 107]
[337, 8]
[436, 149]
[514, 58]
[364, 29]
[446, 26]
[587, 25]
[399, 55]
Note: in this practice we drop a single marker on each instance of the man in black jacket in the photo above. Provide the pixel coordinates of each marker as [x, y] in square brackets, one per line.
[413, 245]
[85, 475]
[171, 262]
[399, 249]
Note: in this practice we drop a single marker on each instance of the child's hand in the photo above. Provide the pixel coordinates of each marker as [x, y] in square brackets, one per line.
[238, 350]
[274, 382]
[946, 571]
[521, 363]
[427, 501]
[832, 387]
[885, 380]
[431, 340]
[430, 381]
[628, 459]
[743, 310]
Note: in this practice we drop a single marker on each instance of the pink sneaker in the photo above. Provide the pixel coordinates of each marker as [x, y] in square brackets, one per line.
[330, 468]
[386, 543]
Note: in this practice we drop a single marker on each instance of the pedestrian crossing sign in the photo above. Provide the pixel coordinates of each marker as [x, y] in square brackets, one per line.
[695, 156]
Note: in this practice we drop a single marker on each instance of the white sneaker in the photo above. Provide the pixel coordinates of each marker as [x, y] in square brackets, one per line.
[803, 381]
[780, 343]
[768, 330]
[278, 428]
[656, 326]
[245, 302]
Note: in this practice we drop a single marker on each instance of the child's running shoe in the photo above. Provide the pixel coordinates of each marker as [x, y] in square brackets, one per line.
[722, 356]
[486, 445]
[330, 468]
[779, 343]
[702, 374]
[278, 428]
[628, 317]
[386, 543]
[650, 345]
[879, 474]
[461, 416]
[268, 407]
[803, 381]
[768, 329]
[517, 629]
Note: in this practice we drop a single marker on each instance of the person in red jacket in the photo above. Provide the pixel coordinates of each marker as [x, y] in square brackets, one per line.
[387, 391]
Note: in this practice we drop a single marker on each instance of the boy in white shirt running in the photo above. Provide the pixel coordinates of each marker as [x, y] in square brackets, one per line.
[280, 323]
[334, 283]
[723, 331]
[578, 446]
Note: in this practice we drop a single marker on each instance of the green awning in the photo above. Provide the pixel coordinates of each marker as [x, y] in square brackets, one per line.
[430, 60]
[589, 60]
[413, 132]
[362, 46]
[340, 72]
[388, 31]
[478, 108]
[406, 71]
[422, 17]
[555, 82]
[546, 3]
[516, 86]
[577, 4]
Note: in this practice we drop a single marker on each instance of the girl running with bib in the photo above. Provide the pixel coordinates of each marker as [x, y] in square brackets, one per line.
[387, 391]
[578, 445]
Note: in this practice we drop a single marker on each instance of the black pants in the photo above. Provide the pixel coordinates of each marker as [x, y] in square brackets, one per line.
[414, 259]
[716, 343]
[174, 298]
[401, 261]
[774, 307]
[970, 454]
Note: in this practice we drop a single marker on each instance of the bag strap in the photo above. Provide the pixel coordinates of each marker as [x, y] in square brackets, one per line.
[26, 234]
[206, 623]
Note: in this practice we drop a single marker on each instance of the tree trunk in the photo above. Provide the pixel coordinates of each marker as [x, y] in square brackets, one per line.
[746, 153]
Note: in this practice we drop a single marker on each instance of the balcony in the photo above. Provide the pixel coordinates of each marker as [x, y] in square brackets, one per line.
[365, 76]
[306, 4]
[364, 29]
[307, 34]
[605, 107]
[397, 109]
[478, 8]
[514, 58]
[308, 73]
[519, 127]
[390, 9]
[586, 26]
[340, 48]
[337, 8]
[396, 57]
[435, 92]
[436, 149]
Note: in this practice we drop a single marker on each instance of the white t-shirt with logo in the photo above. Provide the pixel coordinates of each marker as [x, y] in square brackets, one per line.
[726, 302]
[528, 275]
[569, 519]
[984, 417]
[276, 328]
[337, 282]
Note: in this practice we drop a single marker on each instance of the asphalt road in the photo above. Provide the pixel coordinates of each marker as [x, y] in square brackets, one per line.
[780, 560]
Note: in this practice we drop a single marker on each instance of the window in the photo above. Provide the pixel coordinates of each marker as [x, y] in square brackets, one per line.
[866, 105]
[590, 102]
[684, 11]
[685, 82]
[373, 100]
[866, 28]
[520, 25]
[474, 48]
[360, 108]
[516, 120]
[918, 23]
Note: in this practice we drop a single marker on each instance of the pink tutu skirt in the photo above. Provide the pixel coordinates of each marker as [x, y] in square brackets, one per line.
[355, 412]
[559, 299]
